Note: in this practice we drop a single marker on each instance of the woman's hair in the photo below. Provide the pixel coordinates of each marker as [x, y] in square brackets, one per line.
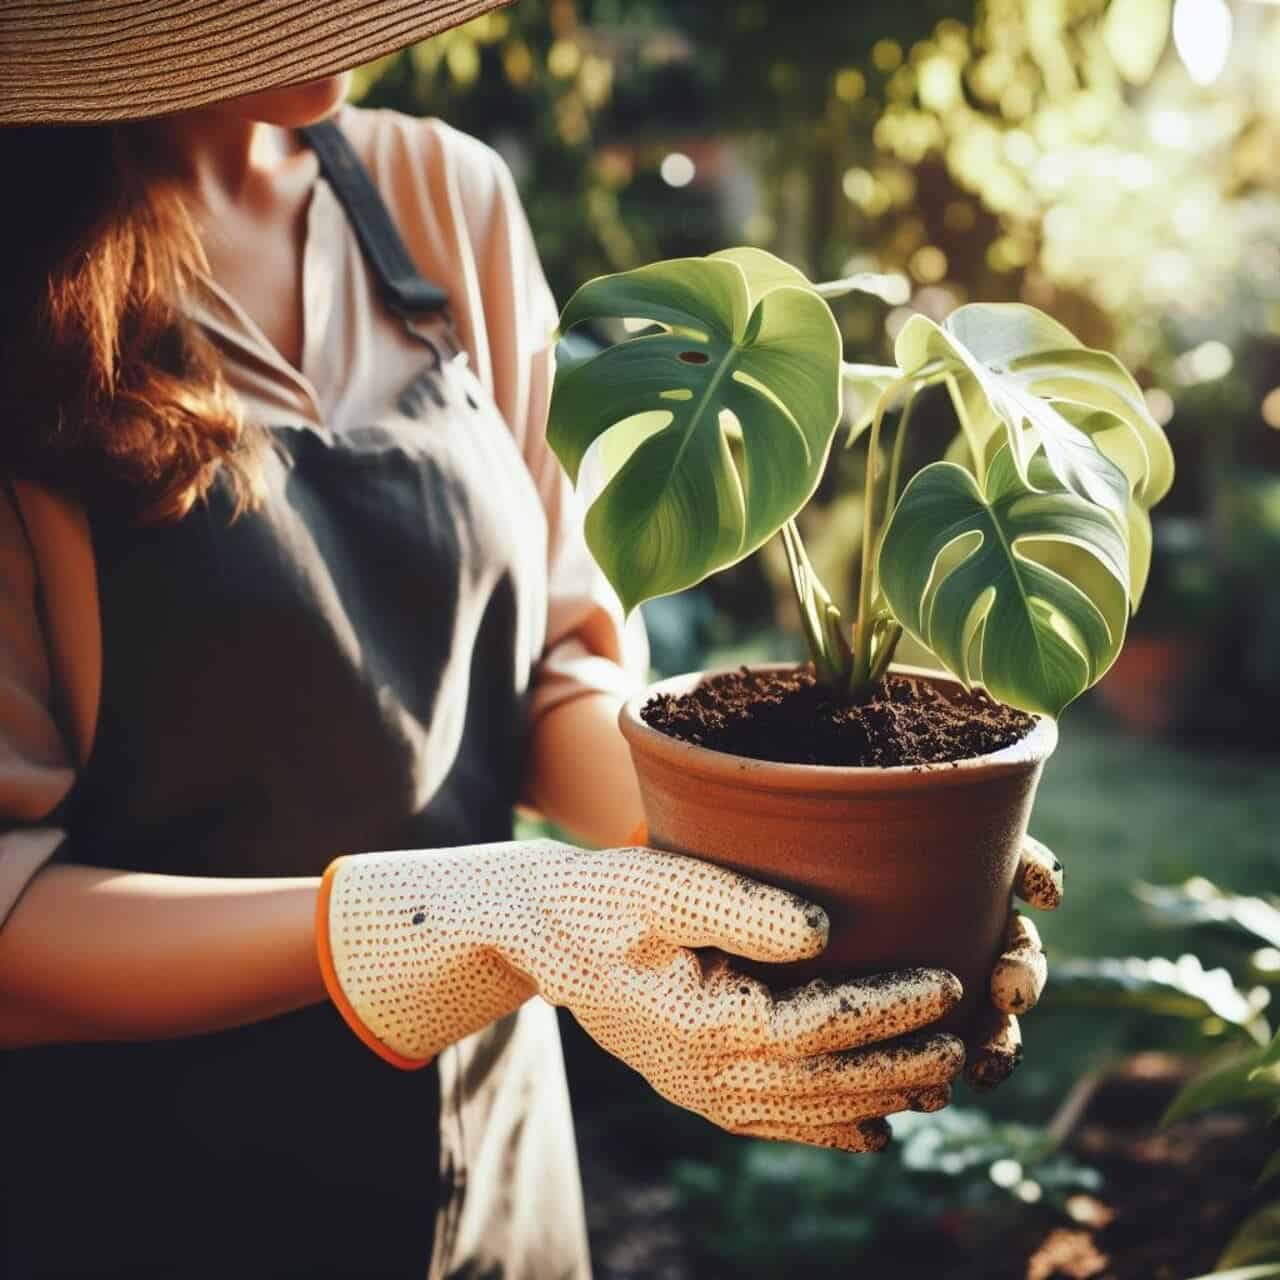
[108, 392]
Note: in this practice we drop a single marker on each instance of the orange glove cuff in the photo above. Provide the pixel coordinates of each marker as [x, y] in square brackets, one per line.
[327, 971]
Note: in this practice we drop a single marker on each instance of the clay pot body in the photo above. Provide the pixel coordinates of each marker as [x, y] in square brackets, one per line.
[914, 865]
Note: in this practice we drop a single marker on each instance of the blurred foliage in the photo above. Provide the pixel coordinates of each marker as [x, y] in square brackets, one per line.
[1249, 1083]
[1183, 989]
[1058, 152]
[768, 1205]
[1252, 920]
[1031, 148]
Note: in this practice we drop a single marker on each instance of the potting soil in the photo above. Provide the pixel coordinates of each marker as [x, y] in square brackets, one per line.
[787, 717]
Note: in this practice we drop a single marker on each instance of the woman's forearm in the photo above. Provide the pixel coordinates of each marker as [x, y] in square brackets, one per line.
[91, 954]
[580, 771]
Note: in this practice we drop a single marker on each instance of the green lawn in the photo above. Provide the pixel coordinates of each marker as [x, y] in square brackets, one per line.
[1117, 810]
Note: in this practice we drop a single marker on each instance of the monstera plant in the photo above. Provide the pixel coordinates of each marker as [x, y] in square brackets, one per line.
[1016, 559]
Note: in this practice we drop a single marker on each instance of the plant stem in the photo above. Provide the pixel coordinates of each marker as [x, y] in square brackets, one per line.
[824, 632]
[888, 643]
[864, 627]
[895, 463]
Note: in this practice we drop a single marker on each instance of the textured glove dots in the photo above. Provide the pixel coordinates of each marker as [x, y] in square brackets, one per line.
[422, 948]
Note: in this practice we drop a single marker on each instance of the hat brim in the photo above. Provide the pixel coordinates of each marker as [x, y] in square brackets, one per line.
[95, 61]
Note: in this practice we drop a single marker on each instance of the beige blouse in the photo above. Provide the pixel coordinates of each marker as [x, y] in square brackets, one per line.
[456, 207]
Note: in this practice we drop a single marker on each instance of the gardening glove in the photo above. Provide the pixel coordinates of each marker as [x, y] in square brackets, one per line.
[421, 948]
[1020, 973]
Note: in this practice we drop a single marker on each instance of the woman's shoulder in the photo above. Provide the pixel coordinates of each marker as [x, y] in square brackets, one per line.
[427, 158]
[456, 204]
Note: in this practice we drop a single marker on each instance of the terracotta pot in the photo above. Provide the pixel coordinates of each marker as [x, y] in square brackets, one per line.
[1146, 684]
[914, 864]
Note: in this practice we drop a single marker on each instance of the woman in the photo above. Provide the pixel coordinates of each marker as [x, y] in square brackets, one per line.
[289, 574]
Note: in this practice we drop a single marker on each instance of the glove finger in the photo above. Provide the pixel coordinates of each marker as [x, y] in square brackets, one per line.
[916, 1061]
[696, 904]
[997, 1050]
[931, 1066]
[831, 1108]
[819, 1018]
[860, 1136]
[1038, 881]
[832, 1080]
[837, 1088]
[1021, 971]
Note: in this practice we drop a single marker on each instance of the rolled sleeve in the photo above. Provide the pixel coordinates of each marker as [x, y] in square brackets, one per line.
[590, 647]
[36, 769]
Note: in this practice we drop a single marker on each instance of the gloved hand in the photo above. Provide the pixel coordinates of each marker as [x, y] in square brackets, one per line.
[1020, 973]
[421, 948]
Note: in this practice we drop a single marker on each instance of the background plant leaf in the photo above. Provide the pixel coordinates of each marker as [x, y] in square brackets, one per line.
[1023, 587]
[1263, 1272]
[1197, 901]
[748, 349]
[1183, 988]
[1257, 1242]
[1231, 1085]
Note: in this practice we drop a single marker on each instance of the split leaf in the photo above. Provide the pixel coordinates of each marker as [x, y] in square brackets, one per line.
[1022, 588]
[749, 352]
[1016, 371]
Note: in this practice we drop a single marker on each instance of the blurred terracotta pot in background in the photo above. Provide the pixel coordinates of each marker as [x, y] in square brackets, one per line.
[1147, 683]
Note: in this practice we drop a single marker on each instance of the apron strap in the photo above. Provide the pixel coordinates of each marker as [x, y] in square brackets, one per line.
[404, 289]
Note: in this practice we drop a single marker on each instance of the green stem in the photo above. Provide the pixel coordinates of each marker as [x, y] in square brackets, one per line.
[895, 462]
[824, 633]
[861, 677]
[885, 648]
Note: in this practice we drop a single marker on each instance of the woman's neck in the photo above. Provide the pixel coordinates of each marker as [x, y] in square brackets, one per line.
[247, 185]
[223, 160]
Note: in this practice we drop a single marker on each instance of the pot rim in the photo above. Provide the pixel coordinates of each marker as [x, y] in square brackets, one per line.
[1027, 752]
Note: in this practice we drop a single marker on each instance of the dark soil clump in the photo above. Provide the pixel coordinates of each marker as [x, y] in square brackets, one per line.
[785, 716]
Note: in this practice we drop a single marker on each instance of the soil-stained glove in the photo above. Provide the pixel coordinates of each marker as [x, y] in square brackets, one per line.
[1020, 973]
[421, 948]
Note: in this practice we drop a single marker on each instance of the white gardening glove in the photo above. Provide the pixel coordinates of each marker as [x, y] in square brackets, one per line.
[1018, 978]
[421, 948]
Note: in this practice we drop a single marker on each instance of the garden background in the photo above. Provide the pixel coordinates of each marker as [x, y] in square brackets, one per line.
[1116, 164]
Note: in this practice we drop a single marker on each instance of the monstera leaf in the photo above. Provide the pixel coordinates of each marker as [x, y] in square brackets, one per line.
[748, 351]
[1101, 427]
[1023, 587]
[1020, 374]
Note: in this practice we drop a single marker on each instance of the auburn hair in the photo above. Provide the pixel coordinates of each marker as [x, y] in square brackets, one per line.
[109, 393]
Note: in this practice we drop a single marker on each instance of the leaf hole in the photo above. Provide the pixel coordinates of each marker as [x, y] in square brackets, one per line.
[694, 357]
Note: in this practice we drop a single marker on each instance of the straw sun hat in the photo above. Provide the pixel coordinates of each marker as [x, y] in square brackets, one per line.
[87, 61]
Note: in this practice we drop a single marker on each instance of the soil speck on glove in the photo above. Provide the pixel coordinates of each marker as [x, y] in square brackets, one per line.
[785, 716]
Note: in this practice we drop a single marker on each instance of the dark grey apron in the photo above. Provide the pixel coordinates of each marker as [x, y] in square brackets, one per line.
[277, 690]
